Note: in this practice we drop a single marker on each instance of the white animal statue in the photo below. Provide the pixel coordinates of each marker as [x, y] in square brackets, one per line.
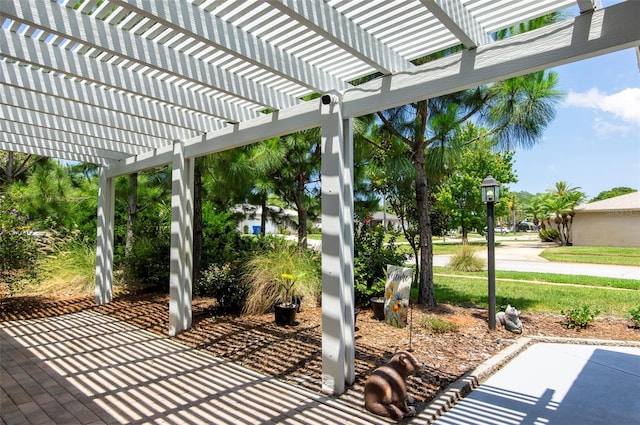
[510, 319]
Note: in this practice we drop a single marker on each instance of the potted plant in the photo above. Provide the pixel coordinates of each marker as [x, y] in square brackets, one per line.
[263, 276]
[285, 308]
[377, 299]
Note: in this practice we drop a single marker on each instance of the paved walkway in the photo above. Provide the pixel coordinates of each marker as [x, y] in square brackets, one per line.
[88, 368]
[524, 257]
[552, 383]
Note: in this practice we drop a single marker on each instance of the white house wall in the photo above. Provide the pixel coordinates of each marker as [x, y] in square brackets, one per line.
[606, 228]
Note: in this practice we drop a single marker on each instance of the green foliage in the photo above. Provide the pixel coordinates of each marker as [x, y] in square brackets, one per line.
[635, 316]
[70, 270]
[437, 325]
[459, 194]
[18, 247]
[549, 235]
[222, 283]
[263, 275]
[372, 255]
[147, 265]
[222, 243]
[579, 317]
[612, 193]
[465, 260]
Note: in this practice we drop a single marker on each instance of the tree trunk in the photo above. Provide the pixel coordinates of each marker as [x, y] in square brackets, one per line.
[197, 222]
[132, 211]
[9, 169]
[302, 225]
[264, 215]
[425, 293]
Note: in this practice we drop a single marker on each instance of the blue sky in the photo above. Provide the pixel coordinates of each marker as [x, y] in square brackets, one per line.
[594, 141]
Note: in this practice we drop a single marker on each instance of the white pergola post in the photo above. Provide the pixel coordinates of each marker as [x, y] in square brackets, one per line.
[181, 258]
[348, 254]
[337, 257]
[104, 246]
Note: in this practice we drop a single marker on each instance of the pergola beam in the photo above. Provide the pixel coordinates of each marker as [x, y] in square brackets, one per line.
[103, 97]
[89, 130]
[39, 53]
[343, 32]
[213, 31]
[589, 5]
[604, 31]
[51, 153]
[458, 20]
[83, 29]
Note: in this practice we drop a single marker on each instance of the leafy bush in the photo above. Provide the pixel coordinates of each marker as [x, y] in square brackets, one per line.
[464, 260]
[635, 316]
[263, 275]
[146, 267]
[549, 235]
[371, 256]
[18, 247]
[223, 284]
[579, 317]
[437, 325]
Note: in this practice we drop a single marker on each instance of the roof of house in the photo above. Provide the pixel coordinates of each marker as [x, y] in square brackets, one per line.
[257, 210]
[628, 202]
[379, 215]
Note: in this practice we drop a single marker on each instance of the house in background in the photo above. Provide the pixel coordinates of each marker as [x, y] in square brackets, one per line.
[387, 220]
[278, 219]
[611, 222]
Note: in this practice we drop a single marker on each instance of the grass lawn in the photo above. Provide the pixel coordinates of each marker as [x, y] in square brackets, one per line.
[594, 255]
[536, 297]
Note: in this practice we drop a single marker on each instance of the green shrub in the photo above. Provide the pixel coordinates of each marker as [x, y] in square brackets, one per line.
[146, 267]
[549, 235]
[223, 284]
[18, 247]
[464, 260]
[437, 325]
[579, 317]
[371, 256]
[635, 316]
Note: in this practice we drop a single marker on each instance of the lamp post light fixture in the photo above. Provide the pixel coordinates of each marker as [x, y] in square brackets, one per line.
[491, 195]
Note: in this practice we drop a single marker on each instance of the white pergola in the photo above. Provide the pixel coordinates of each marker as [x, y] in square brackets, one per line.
[133, 84]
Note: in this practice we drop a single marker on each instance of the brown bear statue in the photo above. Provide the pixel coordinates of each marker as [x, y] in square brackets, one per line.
[385, 391]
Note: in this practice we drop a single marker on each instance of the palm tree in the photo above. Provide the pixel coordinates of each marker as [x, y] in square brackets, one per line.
[562, 201]
[534, 207]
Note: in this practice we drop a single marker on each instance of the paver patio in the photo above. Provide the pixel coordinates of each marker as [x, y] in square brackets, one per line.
[94, 369]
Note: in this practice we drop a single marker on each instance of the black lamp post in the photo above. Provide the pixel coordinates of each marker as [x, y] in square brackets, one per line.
[491, 195]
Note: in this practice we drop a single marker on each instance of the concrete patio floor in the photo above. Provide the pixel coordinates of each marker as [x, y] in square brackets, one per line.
[553, 383]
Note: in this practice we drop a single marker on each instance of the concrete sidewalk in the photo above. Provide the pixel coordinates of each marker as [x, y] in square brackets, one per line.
[551, 383]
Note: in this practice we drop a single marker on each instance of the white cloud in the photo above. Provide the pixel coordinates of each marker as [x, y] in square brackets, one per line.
[604, 128]
[624, 104]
